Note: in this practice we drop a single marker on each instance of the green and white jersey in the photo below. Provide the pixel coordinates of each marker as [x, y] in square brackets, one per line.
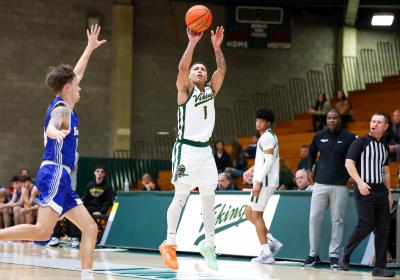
[268, 140]
[196, 117]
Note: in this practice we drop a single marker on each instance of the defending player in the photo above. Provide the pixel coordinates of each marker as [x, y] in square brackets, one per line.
[53, 179]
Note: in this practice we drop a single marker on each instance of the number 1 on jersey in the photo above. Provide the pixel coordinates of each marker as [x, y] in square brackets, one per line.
[205, 112]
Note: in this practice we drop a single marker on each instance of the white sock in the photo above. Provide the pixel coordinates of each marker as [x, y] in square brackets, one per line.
[265, 249]
[87, 274]
[173, 215]
[270, 237]
[208, 202]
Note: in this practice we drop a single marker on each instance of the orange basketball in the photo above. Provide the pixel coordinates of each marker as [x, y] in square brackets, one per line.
[198, 18]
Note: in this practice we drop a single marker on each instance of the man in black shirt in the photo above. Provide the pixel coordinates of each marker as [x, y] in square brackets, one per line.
[98, 198]
[304, 152]
[394, 136]
[330, 186]
[99, 195]
[367, 163]
[222, 158]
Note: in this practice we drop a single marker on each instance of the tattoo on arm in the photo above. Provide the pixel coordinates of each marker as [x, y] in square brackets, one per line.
[60, 117]
[219, 57]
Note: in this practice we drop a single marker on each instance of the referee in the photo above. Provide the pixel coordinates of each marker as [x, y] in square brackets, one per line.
[367, 163]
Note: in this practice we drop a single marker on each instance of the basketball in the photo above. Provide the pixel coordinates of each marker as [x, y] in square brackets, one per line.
[198, 18]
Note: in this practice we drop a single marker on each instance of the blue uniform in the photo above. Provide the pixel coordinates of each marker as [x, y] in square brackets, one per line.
[53, 179]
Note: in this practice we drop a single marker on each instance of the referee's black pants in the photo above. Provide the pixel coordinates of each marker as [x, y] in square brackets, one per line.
[373, 215]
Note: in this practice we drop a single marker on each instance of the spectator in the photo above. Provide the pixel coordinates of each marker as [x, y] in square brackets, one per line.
[303, 180]
[285, 176]
[3, 201]
[225, 184]
[330, 188]
[319, 111]
[239, 162]
[99, 195]
[146, 178]
[148, 183]
[98, 198]
[13, 207]
[393, 137]
[29, 192]
[151, 186]
[398, 178]
[304, 151]
[24, 172]
[10, 188]
[343, 106]
[250, 151]
[5, 210]
[222, 158]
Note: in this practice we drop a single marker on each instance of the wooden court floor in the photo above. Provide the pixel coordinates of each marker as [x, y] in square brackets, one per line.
[28, 261]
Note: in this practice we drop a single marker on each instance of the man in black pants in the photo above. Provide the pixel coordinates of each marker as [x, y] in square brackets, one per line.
[330, 188]
[367, 163]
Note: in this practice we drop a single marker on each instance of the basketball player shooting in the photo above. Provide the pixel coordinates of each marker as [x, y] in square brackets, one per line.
[192, 161]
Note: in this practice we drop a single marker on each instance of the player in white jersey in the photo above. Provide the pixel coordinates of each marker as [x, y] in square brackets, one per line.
[265, 178]
[193, 164]
[56, 197]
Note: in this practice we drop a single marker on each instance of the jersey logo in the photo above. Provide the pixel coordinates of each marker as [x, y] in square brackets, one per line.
[324, 140]
[340, 141]
[76, 131]
[203, 97]
[180, 171]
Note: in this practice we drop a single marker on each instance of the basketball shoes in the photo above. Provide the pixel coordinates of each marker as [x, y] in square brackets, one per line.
[168, 254]
[208, 253]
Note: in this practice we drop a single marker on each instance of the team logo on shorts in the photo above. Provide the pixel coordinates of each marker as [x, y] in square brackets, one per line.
[180, 171]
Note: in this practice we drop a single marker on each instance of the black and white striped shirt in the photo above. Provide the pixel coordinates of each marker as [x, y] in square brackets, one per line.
[370, 156]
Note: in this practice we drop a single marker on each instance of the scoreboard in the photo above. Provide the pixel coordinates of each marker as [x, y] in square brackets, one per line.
[258, 27]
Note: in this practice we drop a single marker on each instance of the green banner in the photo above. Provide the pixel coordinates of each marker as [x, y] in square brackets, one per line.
[140, 222]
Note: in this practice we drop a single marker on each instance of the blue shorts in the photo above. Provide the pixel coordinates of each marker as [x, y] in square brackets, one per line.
[55, 190]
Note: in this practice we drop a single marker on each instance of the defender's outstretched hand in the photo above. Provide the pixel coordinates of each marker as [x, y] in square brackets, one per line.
[93, 43]
[93, 35]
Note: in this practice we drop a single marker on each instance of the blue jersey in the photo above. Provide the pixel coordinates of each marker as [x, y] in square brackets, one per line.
[61, 152]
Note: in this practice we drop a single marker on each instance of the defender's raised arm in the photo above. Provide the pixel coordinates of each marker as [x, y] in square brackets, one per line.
[93, 43]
